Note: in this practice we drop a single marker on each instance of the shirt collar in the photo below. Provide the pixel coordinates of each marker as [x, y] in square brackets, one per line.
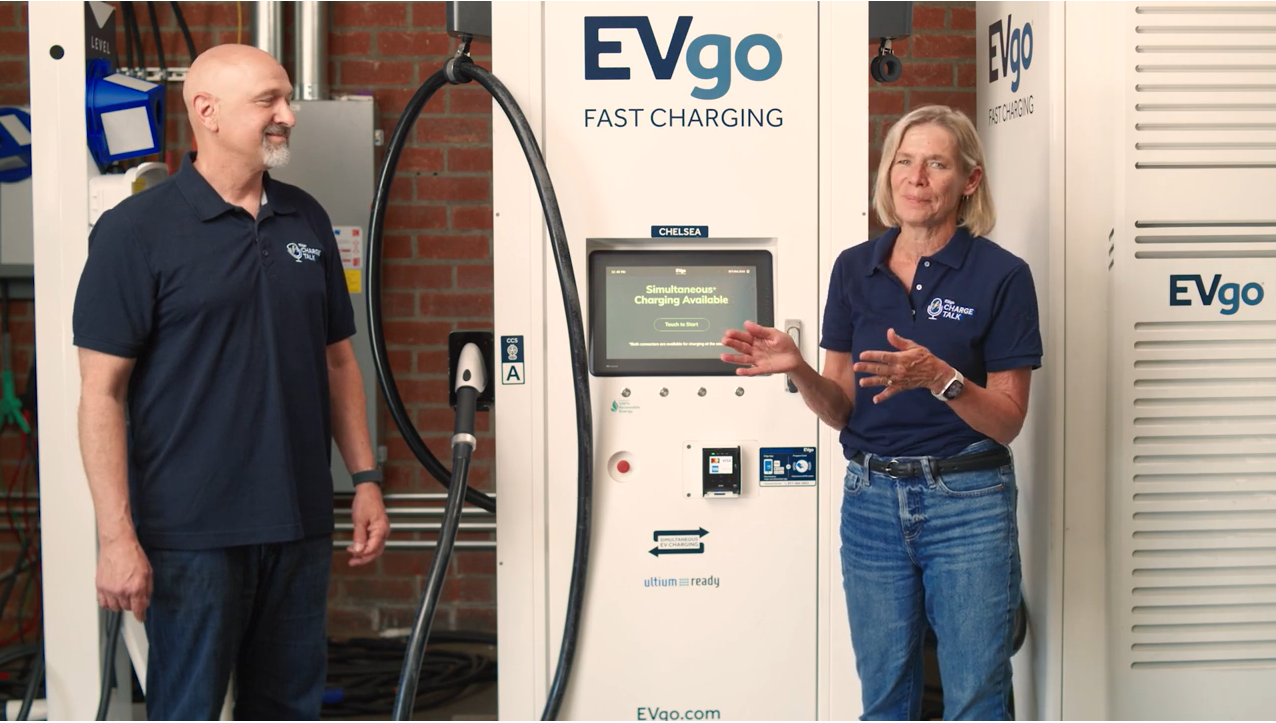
[952, 255]
[209, 204]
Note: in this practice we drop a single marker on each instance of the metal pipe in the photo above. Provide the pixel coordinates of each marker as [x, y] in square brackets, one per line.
[311, 44]
[268, 25]
[419, 526]
[421, 511]
[424, 544]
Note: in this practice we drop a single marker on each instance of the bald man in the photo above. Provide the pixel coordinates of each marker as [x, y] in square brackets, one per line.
[213, 325]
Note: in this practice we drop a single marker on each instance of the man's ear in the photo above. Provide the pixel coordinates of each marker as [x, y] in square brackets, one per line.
[205, 108]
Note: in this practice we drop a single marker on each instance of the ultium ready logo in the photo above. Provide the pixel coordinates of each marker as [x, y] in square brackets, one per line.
[1230, 295]
[748, 64]
[1014, 46]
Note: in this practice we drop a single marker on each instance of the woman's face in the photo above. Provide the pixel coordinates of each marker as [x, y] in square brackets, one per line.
[927, 182]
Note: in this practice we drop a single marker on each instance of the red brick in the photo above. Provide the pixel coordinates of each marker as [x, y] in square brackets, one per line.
[215, 14]
[885, 102]
[402, 188]
[349, 43]
[436, 305]
[476, 618]
[478, 276]
[929, 75]
[928, 17]
[406, 562]
[451, 247]
[375, 588]
[396, 99]
[963, 19]
[962, 100]
[426, 160]
[394, 617]
[425, 391]
[966, 75]
[480, 49]
[413, 43]
[400, 360]
[471, 217]
[417, 276]
[397, 246]
[470, 588]
[944, 46]
[14, 96]
[453, 188]
[408, 217]
[475, 562]
[399, 476]
[469, 159]
[365, 15]
[346, 623]
[469, 100]
[428, 15]
[8, 15]
[436, 420]
[13, 42]
[453, 130]
[417, 332]
[430, 361]
[13, 72]
[375, 72]
[398, 305]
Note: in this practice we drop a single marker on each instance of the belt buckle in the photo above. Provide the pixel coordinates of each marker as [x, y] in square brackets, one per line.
[892, 469]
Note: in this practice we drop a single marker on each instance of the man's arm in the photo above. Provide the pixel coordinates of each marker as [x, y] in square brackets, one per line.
[350, 430]
[123, 575]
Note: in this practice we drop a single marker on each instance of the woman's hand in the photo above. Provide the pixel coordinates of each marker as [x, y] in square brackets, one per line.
[912, 367]
[763, 349]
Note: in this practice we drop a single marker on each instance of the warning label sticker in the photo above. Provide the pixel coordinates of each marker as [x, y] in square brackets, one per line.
[350, 243]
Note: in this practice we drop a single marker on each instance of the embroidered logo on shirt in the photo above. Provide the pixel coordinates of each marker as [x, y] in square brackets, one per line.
[302, 251]
[948, 309]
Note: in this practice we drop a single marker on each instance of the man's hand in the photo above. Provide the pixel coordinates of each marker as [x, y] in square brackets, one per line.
[124, 577]
[371, 524]
[912, 367]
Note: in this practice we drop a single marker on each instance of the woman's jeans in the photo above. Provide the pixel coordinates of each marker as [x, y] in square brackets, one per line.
[937, 550]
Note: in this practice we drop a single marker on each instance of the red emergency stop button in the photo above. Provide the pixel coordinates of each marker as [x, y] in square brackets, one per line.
[622, 466]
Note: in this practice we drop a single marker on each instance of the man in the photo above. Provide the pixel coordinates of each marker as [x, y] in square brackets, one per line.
[213, 309]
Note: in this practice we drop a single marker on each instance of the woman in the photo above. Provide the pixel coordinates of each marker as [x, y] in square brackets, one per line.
[930, 336]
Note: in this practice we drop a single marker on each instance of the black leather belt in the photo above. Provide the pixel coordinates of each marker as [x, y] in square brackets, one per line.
[900, 469]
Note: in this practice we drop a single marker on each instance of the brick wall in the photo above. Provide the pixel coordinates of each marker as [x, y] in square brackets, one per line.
[438, 274]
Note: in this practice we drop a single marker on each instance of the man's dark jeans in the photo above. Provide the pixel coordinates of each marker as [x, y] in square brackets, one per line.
[259, 611]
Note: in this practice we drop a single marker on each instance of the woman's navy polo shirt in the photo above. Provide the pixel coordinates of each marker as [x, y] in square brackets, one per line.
[229, 319]
[973, 304]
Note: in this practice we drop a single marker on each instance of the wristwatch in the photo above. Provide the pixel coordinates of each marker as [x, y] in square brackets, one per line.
[953, 388]
[371, 475]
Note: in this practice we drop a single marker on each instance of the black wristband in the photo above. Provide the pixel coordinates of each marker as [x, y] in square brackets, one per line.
[371, 475]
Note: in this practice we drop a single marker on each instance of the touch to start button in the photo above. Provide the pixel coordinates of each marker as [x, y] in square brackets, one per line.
[622, 466]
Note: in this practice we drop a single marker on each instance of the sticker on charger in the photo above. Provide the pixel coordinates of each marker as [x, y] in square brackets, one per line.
[350, 244]
[512, 360]
[786, 467]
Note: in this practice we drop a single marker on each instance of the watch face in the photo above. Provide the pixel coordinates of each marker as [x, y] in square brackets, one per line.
[954, 389]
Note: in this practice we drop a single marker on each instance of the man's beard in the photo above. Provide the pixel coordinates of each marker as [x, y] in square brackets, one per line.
[276, 155]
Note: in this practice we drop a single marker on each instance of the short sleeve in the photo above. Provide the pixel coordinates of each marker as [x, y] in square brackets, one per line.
[114, 307]
[1014, 335]
[838, 329]
[340, 308]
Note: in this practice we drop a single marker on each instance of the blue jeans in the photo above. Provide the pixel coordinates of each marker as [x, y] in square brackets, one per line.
[937, 550]
[259, 610]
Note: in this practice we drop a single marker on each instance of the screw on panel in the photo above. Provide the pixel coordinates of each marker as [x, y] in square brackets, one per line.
[664, 392]
[624, 392]
[739, 391]
[702, 391]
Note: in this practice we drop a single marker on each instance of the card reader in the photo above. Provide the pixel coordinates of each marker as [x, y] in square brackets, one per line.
[721, 471]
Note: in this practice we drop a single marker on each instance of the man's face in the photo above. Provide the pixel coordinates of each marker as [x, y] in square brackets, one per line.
[257, 119]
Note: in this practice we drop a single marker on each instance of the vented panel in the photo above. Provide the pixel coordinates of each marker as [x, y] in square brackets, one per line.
[1193, 489]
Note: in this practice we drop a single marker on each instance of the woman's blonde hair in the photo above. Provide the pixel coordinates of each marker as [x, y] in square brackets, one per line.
[976, 211]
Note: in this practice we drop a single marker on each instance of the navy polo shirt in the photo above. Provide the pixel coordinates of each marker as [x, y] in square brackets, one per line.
[229, 319]
[973, 304]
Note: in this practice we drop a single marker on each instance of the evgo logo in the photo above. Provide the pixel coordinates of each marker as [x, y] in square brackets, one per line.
[664, 64]
[1015, 48]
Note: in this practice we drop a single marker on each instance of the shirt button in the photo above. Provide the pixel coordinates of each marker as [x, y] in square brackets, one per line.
[919, 287]
[928, 264]
[264, 252]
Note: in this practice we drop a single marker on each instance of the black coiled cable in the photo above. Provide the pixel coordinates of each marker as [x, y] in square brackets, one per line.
[462, 69]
